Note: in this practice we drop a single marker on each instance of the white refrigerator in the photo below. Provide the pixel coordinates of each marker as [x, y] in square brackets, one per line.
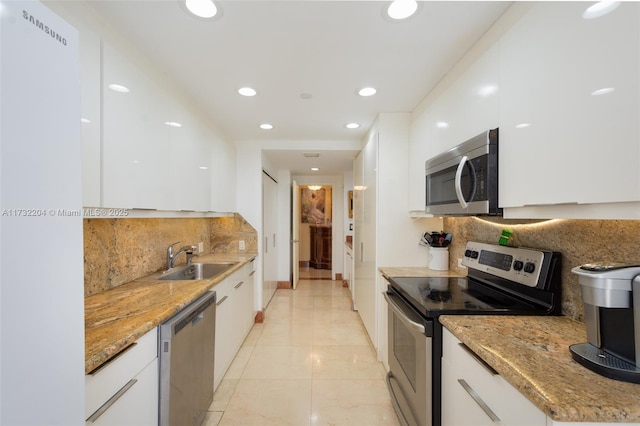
[41, 249]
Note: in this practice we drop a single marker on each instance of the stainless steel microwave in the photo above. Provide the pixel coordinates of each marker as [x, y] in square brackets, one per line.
[464, 180]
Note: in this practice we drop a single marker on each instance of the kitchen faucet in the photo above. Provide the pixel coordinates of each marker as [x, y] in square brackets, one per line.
[171, 256]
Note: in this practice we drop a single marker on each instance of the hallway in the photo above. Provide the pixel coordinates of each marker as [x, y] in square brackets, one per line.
[309, 363]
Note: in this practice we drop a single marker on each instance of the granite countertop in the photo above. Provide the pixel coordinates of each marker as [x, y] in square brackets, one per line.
[532, 353]
[116, 318]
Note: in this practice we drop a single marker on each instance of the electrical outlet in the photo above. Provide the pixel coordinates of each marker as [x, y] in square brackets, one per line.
[200, 247]
[460, 265]
[241, 244]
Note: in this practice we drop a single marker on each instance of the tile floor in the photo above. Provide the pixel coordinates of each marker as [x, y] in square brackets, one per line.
[306, 272]
[310, 363]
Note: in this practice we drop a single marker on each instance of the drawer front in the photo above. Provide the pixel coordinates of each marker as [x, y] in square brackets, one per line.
[137, 406]
[115, 374]
[474, 376]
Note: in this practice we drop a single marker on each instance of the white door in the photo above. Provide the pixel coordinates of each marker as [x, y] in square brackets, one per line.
[295, 233]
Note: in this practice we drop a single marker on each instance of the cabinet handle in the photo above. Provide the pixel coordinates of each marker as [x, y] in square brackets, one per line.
[481, 361]
[274, 240]
[266, 245]
[221, 301]
[100, 411]
[238, 285]
[110, 360]
[252, 272]
[361, 251]
[488, 411]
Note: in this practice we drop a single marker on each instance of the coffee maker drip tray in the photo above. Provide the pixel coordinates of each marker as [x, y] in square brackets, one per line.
[604, 363]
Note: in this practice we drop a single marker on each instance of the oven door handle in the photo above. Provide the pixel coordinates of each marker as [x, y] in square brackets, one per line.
[403, 317]
[458, 183]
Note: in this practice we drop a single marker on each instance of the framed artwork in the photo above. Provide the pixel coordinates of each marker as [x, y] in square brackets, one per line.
[350, 204]
[312, 204]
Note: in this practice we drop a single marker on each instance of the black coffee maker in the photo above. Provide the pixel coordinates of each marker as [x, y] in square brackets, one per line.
[611, 296]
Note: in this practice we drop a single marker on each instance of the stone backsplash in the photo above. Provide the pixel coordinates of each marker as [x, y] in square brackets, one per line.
[579, 241]
[117, 251]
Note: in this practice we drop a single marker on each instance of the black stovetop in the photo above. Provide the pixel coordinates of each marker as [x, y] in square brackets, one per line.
[435, 296]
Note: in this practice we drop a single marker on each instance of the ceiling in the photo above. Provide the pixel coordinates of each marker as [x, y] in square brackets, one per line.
[306, 59]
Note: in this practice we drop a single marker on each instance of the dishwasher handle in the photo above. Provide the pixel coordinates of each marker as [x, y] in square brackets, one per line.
[194, 312]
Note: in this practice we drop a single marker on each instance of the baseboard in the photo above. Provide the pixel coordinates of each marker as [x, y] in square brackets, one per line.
[338, 277]
[345, 283]
[284, 285]
[260, 317]
[304, 263]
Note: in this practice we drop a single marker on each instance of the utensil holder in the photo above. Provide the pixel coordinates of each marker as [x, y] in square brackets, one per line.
[439, 258]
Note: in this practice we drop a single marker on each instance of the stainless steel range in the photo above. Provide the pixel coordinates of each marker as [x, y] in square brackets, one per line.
[501, 281]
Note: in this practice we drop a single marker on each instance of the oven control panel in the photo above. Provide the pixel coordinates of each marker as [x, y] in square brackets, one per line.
[521, 265]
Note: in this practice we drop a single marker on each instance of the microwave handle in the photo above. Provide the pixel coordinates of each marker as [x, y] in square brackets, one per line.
[458, 183]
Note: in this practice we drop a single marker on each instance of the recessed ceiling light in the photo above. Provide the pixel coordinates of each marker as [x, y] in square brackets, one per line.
[247, 91]
[119, 88]
[173, 124]
[266, 126]
[523, 125]
[85, 120]
[314, 169]
[352, 126]
[367, 91]
[600, 9]
[442, 125]
[204, 168]
[202, 8]
[402, 9]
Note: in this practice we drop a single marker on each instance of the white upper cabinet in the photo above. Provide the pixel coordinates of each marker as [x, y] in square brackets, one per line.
[156, 152]
[467, 106]
[136, 167]
[470, 105]
[569, 109]
[90, 117]
[189, 154]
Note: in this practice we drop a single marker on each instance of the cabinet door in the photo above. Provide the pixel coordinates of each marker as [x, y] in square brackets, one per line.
[458, 408]
[189, 175]
[224, 352]
[269, 240]
[138, 406]
[136, 169]
[569, 106]
[90, 67]
[365, 212]
[473, 394]
[223, 176]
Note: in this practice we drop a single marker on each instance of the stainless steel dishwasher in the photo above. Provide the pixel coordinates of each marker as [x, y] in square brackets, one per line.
[186, 363]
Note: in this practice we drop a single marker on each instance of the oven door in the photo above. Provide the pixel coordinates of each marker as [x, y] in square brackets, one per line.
[410, 377]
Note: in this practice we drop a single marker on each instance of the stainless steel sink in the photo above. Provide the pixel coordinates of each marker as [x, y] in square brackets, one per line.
[195, 271]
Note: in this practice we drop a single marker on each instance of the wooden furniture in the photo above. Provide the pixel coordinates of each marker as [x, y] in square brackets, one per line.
[320, 243]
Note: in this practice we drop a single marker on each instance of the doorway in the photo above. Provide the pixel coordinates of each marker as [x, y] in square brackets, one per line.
[315, 232]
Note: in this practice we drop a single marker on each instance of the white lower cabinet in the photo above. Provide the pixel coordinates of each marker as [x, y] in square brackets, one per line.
[473, 394]
[234, 318]
[125, 390]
